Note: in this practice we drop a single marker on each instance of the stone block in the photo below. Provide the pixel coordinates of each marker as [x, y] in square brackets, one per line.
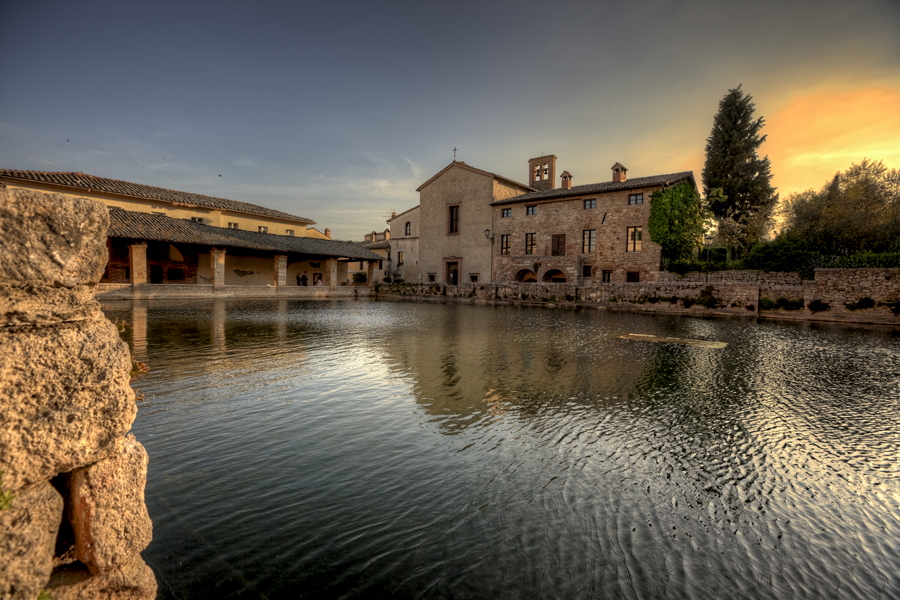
[132, 581]
[65, 398]
[107, 511]
[51, 239]
[27, 540]
[45, 305]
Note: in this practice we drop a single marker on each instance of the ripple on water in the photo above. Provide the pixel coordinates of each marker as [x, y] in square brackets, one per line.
[338, 449]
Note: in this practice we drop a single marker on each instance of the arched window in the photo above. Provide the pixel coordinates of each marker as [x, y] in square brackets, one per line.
[408, 230]
[526, 276]
[555, 276]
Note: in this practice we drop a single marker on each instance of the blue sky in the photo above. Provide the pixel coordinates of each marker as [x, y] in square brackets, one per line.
[338, 111]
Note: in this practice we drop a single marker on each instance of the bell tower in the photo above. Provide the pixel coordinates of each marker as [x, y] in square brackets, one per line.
[542, 172]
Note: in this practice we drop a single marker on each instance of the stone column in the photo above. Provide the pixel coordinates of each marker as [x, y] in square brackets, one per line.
[331, 272]
[280, 279]
[370, 272]
[137, 261]
[217, 267]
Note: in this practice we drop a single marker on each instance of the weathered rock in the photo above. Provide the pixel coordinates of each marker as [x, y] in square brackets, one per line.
[65, 398]
[132, 581]
[43, 305]
[27, 539]
[107, 511]
[51, 239]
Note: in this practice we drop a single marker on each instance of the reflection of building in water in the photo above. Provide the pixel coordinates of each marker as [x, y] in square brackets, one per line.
[471, 361]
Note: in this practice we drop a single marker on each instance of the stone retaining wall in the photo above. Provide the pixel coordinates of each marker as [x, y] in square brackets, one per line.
[149, 291]
[72, 513]
[850, 295]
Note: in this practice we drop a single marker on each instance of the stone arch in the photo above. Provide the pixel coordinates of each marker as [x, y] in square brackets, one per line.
[555, 276]
[526, 276]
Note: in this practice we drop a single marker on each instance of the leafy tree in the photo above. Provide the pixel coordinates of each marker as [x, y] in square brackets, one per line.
[747, 197]
[678, 220]
[858, 211]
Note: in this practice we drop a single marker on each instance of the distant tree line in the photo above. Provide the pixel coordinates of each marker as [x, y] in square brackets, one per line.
[853, 221]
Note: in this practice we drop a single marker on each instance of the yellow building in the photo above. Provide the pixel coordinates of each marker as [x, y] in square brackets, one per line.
[135, 197]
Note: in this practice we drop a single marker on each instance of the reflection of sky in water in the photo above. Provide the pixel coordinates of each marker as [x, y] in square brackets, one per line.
[371, 448]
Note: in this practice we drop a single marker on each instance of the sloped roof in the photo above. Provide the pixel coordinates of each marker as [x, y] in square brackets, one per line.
[379, 245]
[92, 183]
[147, 226]
[600, 188]
[463, 165]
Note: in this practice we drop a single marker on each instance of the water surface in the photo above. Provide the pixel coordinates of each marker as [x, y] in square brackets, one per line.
[363, 449]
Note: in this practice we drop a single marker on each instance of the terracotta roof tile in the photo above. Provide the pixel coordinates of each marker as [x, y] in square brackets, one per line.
[84, 182]
[600, 188]
[147, 226]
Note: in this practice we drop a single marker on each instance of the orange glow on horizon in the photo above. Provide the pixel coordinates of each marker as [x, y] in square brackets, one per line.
[815, 135]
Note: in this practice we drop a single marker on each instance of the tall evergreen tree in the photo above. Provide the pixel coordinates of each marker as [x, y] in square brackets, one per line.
[733, 166]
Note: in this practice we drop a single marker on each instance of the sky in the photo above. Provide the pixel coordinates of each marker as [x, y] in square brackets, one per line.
[337, 111]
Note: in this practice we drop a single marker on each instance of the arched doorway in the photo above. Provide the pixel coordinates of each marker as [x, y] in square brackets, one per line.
[526, 276]
[555, 276]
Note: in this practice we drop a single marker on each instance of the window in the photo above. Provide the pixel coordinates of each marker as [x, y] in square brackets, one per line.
[408, 229]
[586, 271]
[453, 219]
[635, 198]
[531, 210]
[233, 226]
[633, 239]
[558, 245]
[590, 204]
[380, 265]
[633, 276]
[197, 219]
[588, 240]
[289, 232]
[607, 276]
[506, 212]
[431, 277]
[504, 244]
[263, 229]
[473, 277]
[529, 243]
[399, 258]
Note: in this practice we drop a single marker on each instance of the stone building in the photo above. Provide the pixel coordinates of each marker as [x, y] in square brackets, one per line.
[405, 244]
[585, 234]
[453, 214]
[380, 244]
[473, 226]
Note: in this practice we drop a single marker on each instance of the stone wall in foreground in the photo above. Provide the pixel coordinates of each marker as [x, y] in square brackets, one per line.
[72, 515]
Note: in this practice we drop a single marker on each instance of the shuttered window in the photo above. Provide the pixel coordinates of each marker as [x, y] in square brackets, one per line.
[558, 247]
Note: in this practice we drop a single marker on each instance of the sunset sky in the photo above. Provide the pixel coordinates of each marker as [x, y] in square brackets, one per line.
[338, 111]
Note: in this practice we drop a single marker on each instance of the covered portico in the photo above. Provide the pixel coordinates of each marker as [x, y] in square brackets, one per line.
[155, 255]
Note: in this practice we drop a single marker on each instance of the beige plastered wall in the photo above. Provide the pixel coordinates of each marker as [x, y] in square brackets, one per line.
[473, 192]
[216, 218]
[410, 270]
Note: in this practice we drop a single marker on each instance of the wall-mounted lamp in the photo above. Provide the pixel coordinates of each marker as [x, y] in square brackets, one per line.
[487, 234]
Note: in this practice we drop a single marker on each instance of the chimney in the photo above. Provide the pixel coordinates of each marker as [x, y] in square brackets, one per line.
[328, 233]
[566, 180]
[387, 234]
[619, 173]
[542, 172]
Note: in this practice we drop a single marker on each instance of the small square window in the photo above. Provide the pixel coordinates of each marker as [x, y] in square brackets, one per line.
[586, 271]
[635, 198]
[233, 225]
[197, 219]
[590, 204]
[607, 276]
[506, 212]
[431, 277]
[263, 229]
[531, 210]
[473, 277]
[633, 276]
[289, 232]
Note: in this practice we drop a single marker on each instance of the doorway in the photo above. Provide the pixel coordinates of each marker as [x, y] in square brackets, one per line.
[156, 274]
[452, 274]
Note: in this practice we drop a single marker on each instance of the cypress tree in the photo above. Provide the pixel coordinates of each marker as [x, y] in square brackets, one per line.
[733, 166]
